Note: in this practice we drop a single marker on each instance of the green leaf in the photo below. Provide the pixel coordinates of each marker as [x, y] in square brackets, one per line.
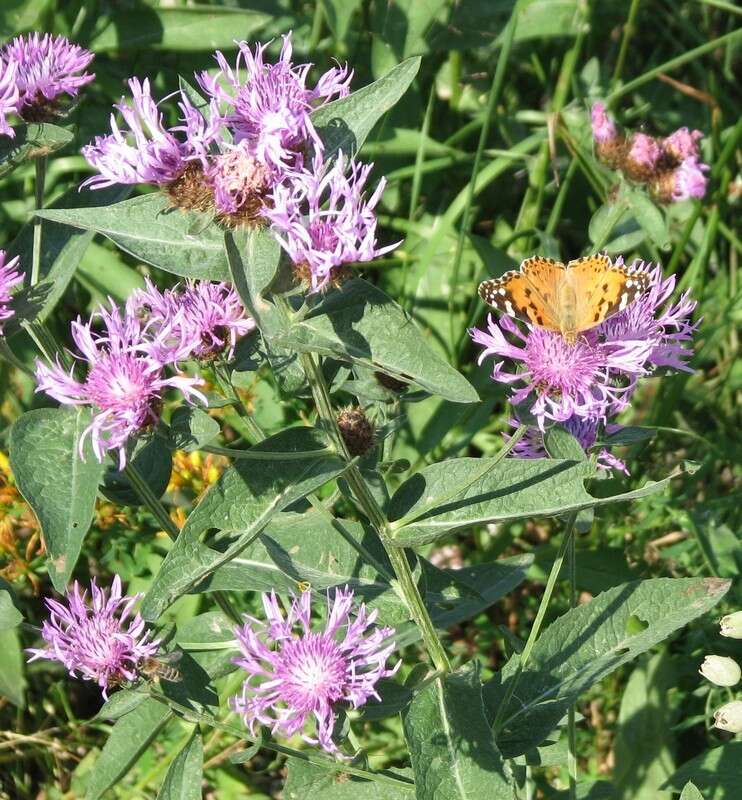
[192, 428]
[10, 616]
[344, 124]
[31, 141]
[560, 443]
[644, 743]
[650, 218]
[12, 681]
[338, 14]
[690, 792]
[186, 772]
[715, 773]
[151, 229]
[513, 489]
[453, 751]
[305, 781]
[588, 643]
[253, 258]
[363, 325]
[130, 736]
[62, 249]
[20, 15]
[56, 482]
[121, 702]
[153, 459]
[177, 29]
[240, 505]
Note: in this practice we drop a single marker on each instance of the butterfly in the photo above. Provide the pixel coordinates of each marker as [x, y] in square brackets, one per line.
[569, 299]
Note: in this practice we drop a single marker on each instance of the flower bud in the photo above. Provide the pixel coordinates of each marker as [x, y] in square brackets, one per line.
[610, 143]
[356, 430]
[729, 717]
[731, 625]
[721, 670]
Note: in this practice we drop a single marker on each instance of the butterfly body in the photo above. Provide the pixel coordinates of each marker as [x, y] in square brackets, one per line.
[569, 298]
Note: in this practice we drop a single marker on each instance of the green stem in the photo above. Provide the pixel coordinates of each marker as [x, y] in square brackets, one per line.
[494, 95]
[556, 568]
[376, 517]
[37, 222]
[159, 512]
[254, 430]
[628, 32]
[571, 730]
[251, 455]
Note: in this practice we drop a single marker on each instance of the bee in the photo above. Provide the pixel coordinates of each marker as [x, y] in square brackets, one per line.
[163, 667]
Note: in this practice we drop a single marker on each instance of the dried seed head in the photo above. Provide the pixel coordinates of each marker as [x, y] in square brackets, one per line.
[356, 430]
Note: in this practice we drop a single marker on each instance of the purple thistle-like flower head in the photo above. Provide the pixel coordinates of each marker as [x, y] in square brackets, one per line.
[237, 179]
[295, 673]
[146, 151]
[199, 319]
[682, 144]
[642, 157]
[595, 377]
[604, 128]
[10, 98]
[9, 277]
[322, 219]
[271, 107]
[584, 430]
[47, 67]
[690, 180]
[125, 378]
[101, 641]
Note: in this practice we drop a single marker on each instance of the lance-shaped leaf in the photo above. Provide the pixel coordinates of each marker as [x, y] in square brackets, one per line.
[453, 751]
[31, 141]
[239, 505]
[462, 492]
[363, 325]
[344, 124]
[305, 781]
[185, 773]
[57, 483]
[586, 644]
[152, 230]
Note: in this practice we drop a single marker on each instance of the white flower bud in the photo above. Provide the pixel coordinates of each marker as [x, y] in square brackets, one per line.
[731, 625]
[721, 670]
[729, 717]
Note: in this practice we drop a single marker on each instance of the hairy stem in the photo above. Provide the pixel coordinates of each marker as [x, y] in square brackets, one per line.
[37, 222]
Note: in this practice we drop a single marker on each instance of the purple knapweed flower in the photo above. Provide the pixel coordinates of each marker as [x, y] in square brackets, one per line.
[125, 378]
[9, 277]
[200, 319]
[10, 98]
[690, 180]
[584, 430]
[146, 151]
[322, 219]
[270, 108]
[604, 128]
[46, 67]
[642, 156]
[295, 673]
[101, 641]
[237, 180]
[594, 378]
[682, 144]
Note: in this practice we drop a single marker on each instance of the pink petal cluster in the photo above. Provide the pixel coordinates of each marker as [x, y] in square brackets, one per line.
[586, 383]
[36, 69]
[124, 377]
[604, 128]
[10, 277]
[198, 319]
[322, 219]
[101, 641]
[297, 674]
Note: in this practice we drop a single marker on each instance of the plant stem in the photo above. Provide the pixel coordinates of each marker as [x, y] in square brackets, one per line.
[376, 517]
[556, 568]
[159, 512]
[37, 222]
[628, 32]
[571, 732]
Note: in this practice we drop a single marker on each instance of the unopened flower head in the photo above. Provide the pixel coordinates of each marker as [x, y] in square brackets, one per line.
[46, 67]
[297, 674]
[731, 625]
[682, 144]
[721, 670]
[145, 150]
[198, 319]
[729, 717]
[584, 430]
[322, 219]
[272, 103]
[10, 99]
[9, 278]
[594, 378]
[101, 640]
[125, 378]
